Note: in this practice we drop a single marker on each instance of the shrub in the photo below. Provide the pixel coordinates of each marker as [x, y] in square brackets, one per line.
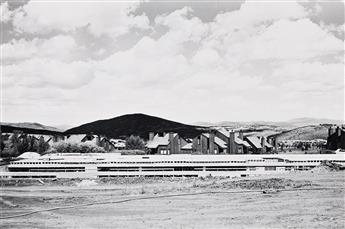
[68, 147]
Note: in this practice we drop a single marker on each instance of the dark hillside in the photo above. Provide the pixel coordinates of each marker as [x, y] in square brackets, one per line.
[136, 124]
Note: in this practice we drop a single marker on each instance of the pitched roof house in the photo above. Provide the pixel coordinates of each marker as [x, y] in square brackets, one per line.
[166, 143]
[235, 142]
[208, 143]
[257, 144]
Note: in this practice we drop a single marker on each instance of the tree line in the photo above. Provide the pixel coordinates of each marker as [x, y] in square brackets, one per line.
[21, 143]
[18, 144]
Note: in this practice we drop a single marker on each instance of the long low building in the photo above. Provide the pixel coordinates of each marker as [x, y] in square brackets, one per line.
[76, 165]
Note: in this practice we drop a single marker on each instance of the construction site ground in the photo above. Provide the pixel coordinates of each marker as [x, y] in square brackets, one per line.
[305, 199]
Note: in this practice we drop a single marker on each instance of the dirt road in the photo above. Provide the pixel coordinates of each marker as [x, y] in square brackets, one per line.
[305, 200]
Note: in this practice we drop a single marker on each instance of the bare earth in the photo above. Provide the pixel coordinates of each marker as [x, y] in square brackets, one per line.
[305, 200]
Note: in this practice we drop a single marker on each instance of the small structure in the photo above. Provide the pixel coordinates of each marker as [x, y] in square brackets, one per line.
[118, 144]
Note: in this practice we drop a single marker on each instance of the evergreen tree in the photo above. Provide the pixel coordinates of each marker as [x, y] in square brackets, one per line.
[135, 142]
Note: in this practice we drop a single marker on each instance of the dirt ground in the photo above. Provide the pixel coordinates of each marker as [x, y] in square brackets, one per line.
[294, 200]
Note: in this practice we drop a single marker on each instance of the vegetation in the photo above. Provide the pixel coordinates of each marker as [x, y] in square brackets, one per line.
[66, 147]
[135, 142]
[305, 133]
[42, 146]
[18, 144]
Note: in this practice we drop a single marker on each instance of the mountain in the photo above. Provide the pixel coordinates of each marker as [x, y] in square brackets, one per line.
[136, 124]
[29, 128]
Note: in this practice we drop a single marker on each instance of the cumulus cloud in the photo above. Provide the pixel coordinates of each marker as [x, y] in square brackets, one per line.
[256, 13]
[6, 14]
[311, 76]
[182, 26]
[247, 60]
[99, 17]
[59, 47]
[299, 39]
[39, 73]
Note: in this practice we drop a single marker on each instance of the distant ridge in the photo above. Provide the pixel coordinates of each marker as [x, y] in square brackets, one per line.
[290, 124]
[136, 124]
[29, 128]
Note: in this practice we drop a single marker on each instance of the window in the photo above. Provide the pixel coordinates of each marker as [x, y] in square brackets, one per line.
[272, 168]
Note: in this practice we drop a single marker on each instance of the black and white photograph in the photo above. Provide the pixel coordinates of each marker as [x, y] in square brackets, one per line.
[182, 114]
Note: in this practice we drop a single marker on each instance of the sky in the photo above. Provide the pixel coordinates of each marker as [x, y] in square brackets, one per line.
[72, 62]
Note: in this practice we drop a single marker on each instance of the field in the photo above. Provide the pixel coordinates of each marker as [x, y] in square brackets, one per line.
[294, 200]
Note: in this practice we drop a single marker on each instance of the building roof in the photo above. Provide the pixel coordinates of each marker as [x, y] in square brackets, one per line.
[268, 145]
[241, 142]
[224, 132]
[29, 155]
[75, 138]
[222, 144]
[255, 141]
[188, 146]
[78, 138]
[113, 140]
[120, 145]
[158, 141]
[180, 157]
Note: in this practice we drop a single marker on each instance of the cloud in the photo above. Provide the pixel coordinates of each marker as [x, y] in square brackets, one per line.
[6, 14]
[39, 73]
[269, 60]
[100, 18]
[183, 26]
[310, 76]
[256, 13]
[59, 47]
[299, 39]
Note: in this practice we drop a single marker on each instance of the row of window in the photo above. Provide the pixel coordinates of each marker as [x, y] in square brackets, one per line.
[158, 162]
[47, 169]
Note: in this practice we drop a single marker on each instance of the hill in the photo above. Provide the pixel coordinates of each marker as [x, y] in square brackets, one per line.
[29, 128]
[305, 133]
[299, 122]
[289, 124]
[136, 124]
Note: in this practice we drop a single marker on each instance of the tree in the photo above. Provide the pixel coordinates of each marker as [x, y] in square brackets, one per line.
[135, 142]
[2, 143]
[23, 144]
[43, 146]
[11, 148]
